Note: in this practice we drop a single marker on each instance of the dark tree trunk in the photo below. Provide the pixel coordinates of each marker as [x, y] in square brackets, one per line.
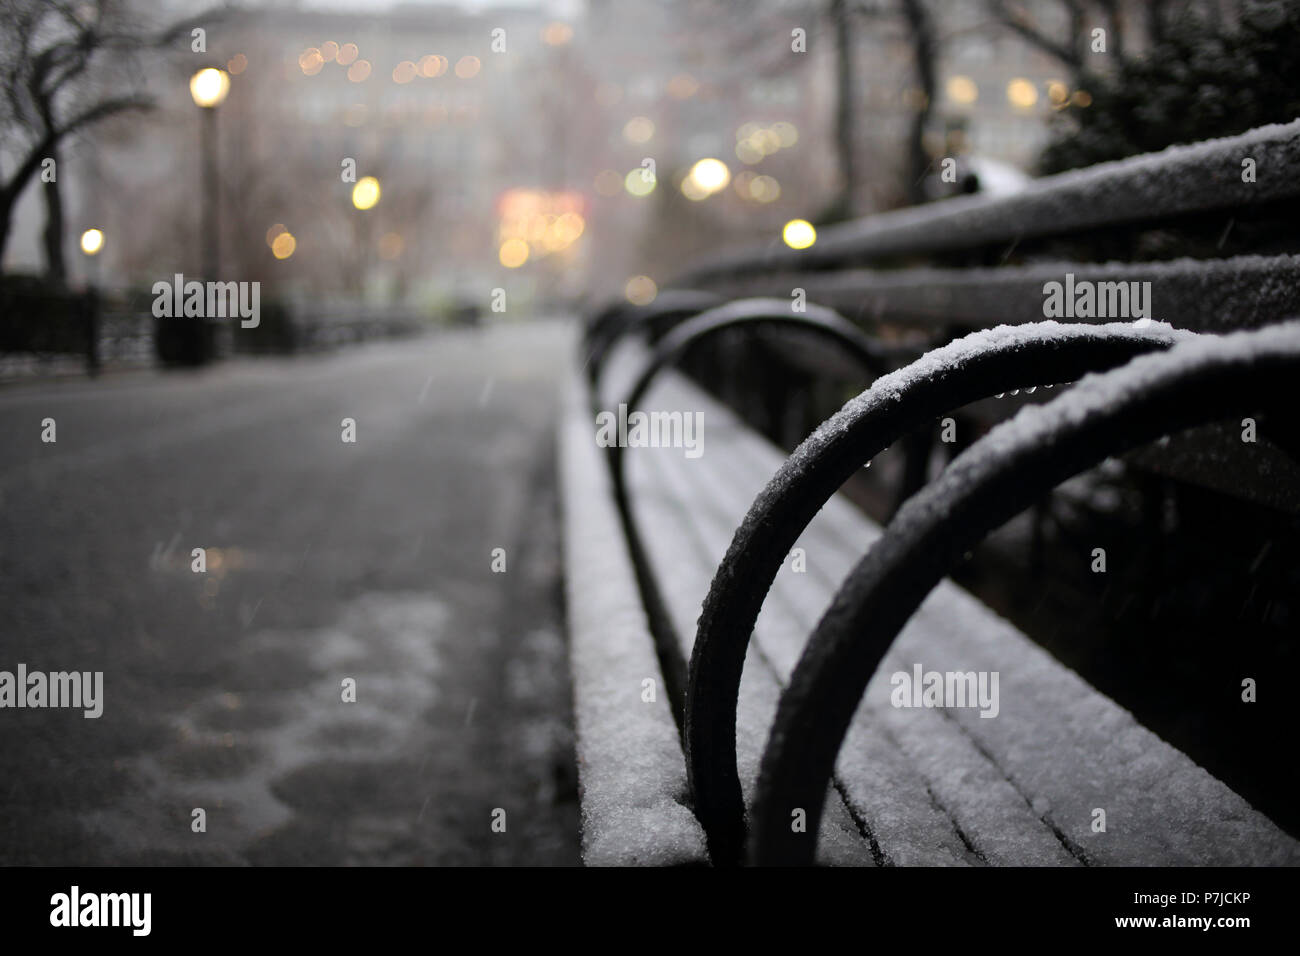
[845, 109]
[56, 266]
[921, 28]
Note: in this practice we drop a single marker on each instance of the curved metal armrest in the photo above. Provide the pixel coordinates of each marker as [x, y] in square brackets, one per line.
[604, 331]
[971, 368]
[743, 313]
[1195, 382]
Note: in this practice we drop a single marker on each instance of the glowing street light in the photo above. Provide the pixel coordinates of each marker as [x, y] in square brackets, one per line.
[709, 175]
[365, 194]
[799, 234]
[209, 87]
[92, 240]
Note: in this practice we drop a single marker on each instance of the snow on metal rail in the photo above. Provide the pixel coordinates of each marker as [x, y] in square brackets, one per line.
[1204, 295]
[1198, 380]
[978, 366]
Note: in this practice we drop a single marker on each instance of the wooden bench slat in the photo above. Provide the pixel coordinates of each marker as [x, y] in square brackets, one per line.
[931, 786]
[683, 571]
[944, 795]
[631, 769]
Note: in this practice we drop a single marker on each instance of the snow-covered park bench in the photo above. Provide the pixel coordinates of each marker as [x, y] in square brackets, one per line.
[763, 674]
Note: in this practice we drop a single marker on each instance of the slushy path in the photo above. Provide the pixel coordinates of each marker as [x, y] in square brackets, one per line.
[326, 561]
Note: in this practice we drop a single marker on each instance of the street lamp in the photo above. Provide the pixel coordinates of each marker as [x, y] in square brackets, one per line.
[209, 87]
[92, 240]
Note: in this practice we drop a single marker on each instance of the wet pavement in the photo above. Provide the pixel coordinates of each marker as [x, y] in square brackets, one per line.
[327, 562]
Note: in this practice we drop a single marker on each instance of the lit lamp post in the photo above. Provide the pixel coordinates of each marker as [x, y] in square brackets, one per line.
[209, 87]
[92, 243]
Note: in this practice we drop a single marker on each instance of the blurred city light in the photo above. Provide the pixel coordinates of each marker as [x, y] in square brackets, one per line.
[706, 177]
[748, 153]
[640, 290]
[209, 87]
[311, 61]
[962, 89]
[359, 71]
[92, 240]
[513, 253]
[787, 134]
[639, 129]
[467, 67]
[366, 192]
[237, 64]
[284, 245]
[639, 182]
[347, 54]
[1021, 93]
[799, 234]
[765, 189]
[557, 34]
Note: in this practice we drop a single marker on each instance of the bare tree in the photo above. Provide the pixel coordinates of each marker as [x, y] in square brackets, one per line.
[53, 56]
[920, 27]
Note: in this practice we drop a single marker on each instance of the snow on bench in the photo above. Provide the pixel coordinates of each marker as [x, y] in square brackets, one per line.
[912, 786]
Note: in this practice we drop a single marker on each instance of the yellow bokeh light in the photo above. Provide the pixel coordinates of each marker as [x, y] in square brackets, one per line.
[1081, 98]
[557, 34]
[433, 65]
[513, 253]
[786, 133]
[568, 227]
[347, 53]
[1021, 93]
[209, 86]
[404, 72]
[799, 234]
[748, 153]
[693, 191]
[640, 290]
[284, 245]
[276, 230]
[311, 61]
[467, 66]
[92, 240]
[639, 129]
[639, 182]
[359, 71]
[1057, 92]
[237, 64]
[765, 189]
[709, 175]
[962, 89]
[365, 194]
